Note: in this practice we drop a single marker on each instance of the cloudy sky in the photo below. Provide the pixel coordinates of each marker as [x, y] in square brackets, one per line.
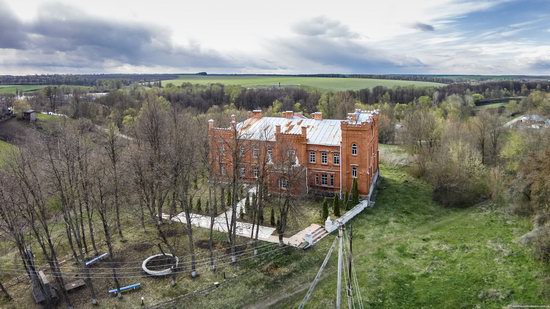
[283, 36]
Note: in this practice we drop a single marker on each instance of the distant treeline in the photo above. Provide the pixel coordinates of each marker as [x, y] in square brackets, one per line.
[82, 79]
[202, 97]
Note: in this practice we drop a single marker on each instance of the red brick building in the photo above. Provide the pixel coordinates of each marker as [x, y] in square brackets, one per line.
[306, 154]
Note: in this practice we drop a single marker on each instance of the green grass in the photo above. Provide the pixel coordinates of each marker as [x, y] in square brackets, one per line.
[491, 106]
[11, 89]
[324, 83]
[5, 149]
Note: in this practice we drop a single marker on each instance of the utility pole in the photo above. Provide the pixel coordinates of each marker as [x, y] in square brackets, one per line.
[340, 266]
[350, 296]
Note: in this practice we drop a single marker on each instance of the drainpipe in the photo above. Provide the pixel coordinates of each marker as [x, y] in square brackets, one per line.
[341, 163]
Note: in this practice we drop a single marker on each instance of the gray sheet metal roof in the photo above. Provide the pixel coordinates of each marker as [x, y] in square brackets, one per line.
[319, 132]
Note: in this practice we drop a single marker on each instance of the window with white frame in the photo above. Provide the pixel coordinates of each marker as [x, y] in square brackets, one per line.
[255, 152]
[324, 157]
[354, 149]
[222, 169]
[283, 183]
[336, 158]
[312, 157]
[354, 171]
[269, 155]
[256, 171]
[242, 150]
[243, 171]
[324, 179]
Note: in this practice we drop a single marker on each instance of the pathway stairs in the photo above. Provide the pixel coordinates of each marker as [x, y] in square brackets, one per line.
[303, 239]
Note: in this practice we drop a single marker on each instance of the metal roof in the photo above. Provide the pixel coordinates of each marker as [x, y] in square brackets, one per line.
[319, 132]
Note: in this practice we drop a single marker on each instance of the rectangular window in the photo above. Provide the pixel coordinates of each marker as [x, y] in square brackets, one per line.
[354, 171]
[242, 150]
[222, 169]
[222, 147]
[269, 155]
[354, 149]
[255, 152]
[256, 171]
[283, 183]
[324, 178]
[312, 157]
[336, 158]
[324, 157]
[332, 180]
[243, 172]
[316, 179]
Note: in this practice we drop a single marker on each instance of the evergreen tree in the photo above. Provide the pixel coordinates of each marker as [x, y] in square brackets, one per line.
[324, 214]
[272, 218]
[347, 204]
[199, 206]
[354, 193]
[228, 204]
[247, 204]
[336, 205]
[261, 217]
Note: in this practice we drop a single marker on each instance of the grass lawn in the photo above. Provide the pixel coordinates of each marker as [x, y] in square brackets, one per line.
[491, 106]
[324, 83]
[5, 149]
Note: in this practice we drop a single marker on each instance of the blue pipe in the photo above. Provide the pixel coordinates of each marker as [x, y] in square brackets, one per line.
[134, 286]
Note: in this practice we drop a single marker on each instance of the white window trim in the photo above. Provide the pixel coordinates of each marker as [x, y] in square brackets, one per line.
[324, 157]
[312, 155]
[354, 145]
[334, 156]
[356, 171]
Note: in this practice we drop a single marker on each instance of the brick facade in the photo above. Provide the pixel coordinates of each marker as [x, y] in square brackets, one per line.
[316, 155]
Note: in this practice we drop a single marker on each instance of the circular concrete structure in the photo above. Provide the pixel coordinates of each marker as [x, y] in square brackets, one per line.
[165, 261]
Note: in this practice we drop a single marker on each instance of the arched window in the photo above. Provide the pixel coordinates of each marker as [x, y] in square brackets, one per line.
[354, 149]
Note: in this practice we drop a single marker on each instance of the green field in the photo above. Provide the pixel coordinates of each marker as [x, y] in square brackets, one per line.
[324, 83]
[10, 89]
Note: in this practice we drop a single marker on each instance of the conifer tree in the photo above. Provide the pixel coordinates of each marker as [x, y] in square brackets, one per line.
[336, 206]
[354, 193]
[347, 204]
[324, 214]
[199, 206]
[272, 218]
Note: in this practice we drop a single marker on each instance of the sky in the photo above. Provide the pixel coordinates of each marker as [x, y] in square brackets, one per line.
[282, 37]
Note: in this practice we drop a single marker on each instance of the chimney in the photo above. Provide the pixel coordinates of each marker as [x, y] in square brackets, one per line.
[277, 129]
[211, 123]
[288, 114]
[304, 132]
[257, 113]
[318, 116]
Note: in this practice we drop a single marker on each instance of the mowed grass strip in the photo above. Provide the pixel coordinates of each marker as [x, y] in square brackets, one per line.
[324, 83]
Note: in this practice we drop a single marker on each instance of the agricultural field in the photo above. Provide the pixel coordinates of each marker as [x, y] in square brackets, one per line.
[323, 83]
[11, 89]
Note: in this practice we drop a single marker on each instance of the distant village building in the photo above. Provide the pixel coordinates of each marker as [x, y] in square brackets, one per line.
[29, 115]
[330, 152]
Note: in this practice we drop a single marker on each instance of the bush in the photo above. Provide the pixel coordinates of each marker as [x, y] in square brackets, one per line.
[542, 245]
[458, 176]
[354, 193]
